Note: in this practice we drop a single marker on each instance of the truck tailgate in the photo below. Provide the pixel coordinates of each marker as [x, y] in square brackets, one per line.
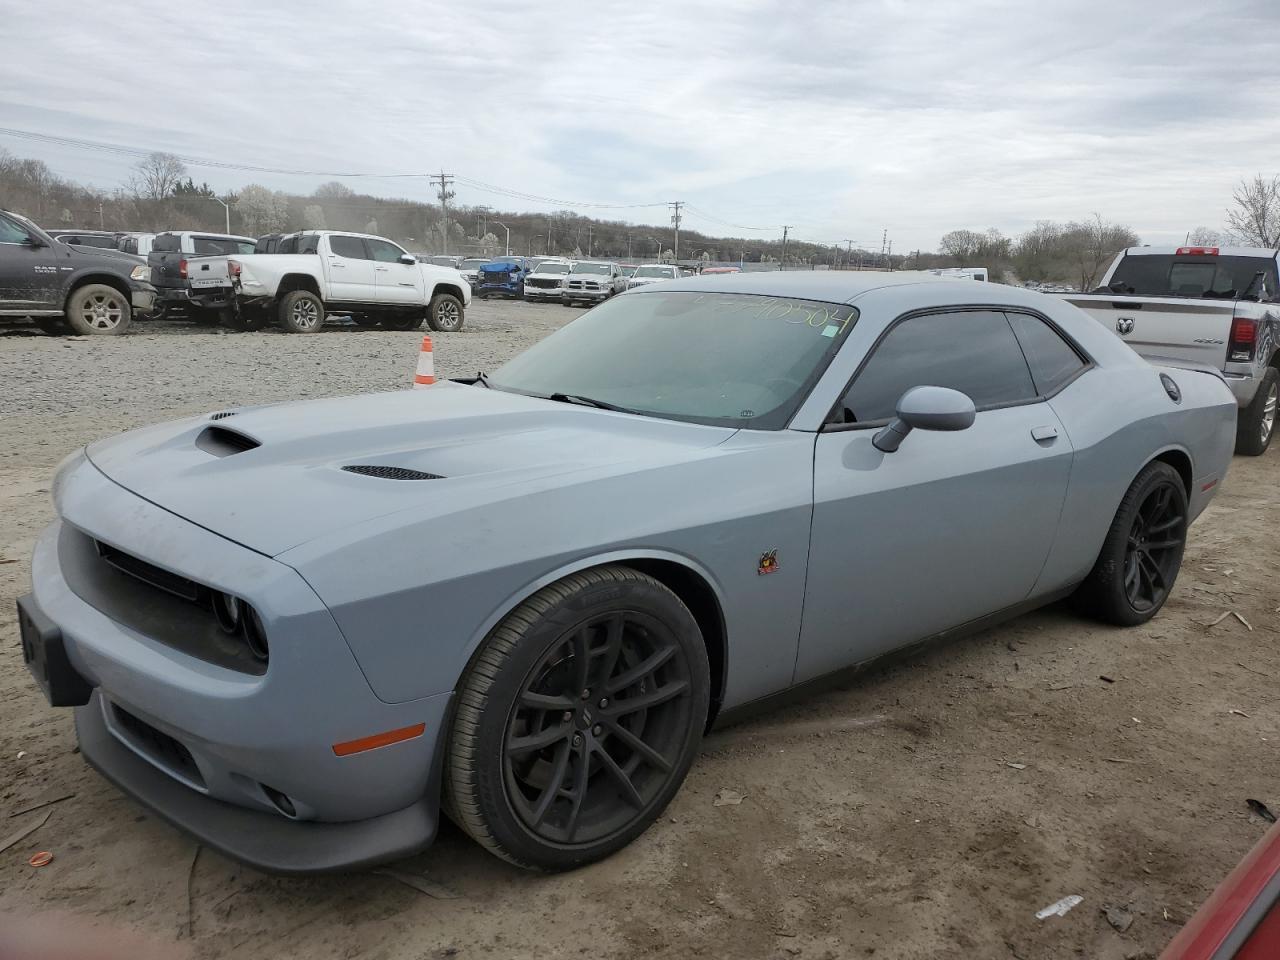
[205, 272]
[1164, 327]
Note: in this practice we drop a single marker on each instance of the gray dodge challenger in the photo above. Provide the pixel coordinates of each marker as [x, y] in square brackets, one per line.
[300, 632]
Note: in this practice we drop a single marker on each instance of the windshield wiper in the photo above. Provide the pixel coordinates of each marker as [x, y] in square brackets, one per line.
[587, 402]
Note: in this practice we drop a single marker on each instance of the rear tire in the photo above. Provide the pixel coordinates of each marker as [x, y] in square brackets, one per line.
[1256, 423]
[98, 310]
[445, 314]
[301, 311]
[577, 720]
[1142, 553]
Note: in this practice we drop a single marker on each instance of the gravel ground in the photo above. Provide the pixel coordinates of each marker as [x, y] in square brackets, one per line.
[927, 809]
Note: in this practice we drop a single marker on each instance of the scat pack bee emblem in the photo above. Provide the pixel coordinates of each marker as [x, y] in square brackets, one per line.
[768, 562]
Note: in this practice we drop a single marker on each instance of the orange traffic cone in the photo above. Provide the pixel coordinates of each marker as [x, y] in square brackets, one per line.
[426, 374]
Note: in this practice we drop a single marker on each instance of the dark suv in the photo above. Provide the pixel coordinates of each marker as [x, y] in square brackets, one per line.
[91, 290]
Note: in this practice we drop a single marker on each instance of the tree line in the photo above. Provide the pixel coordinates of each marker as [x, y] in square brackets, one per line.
[161, 194]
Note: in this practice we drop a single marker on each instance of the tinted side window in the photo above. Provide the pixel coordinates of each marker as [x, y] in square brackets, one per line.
[1052, 360]
[309, 244]
[352, 247]
[975, 353]
[166, 243]
[384, 251]
[11, 232]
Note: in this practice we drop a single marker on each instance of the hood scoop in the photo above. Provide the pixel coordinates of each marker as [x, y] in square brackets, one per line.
[222, 442]
[385, 472]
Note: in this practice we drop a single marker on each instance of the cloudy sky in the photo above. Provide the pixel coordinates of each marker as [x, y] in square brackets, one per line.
[840, 118]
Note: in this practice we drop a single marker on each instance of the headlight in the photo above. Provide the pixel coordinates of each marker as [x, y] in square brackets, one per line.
[140, 272]
[64, 470]
[238, 619]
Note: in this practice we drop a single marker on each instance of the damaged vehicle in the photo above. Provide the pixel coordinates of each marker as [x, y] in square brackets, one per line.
[304, 632]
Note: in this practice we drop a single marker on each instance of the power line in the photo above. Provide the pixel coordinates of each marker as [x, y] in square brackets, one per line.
[520, 195]
[697, 212]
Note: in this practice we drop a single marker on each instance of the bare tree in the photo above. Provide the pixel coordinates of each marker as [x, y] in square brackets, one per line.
[1254, 219]
[1091, 244]
[1205, 237]
[333, 190]
[313, 217]
[157, 177]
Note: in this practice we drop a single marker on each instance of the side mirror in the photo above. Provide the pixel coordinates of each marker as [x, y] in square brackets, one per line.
[408, 258]
[926, 408]
[34, 241]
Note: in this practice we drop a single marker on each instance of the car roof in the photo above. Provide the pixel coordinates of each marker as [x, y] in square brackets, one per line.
[1169, 251]
[593, 263]
[832, 286]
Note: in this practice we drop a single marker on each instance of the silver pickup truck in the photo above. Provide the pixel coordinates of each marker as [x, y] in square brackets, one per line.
[1218, 306]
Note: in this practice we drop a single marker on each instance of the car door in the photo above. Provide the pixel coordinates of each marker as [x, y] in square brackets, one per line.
[351, 270]
[949, 527]
[395, 282]
[29, 273]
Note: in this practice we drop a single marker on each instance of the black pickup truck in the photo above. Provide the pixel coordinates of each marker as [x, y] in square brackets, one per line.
[90, 290]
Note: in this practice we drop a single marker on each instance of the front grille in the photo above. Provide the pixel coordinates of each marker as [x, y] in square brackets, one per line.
[148, 573]
[541, 283]
[584, 285]
[385, 472]
[160, 747]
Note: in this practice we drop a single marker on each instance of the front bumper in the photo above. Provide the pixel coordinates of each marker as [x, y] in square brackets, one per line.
[206, 745]
[504, 289]
[543, 293]
[568, 294]
[142, 296]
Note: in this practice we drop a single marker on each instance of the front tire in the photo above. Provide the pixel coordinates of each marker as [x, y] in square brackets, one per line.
[444, 313]
[301, 311]
[1256, 424]
[98, 310]
[577, 720]
[1142, 553]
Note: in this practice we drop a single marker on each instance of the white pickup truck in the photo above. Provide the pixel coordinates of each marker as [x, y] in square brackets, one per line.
[1218, 306]
[368, 278]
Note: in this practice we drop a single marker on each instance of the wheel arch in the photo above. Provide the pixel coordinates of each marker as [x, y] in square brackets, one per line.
[1180, 460]
[450, 288]
[109, 279]
[298, 281]
[683, 576]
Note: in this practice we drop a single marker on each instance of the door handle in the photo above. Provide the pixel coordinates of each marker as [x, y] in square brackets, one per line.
[381, 269]
[337, 266]
[1044, 433]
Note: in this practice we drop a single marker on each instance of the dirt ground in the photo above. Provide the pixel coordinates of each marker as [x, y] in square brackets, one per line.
[927, 809]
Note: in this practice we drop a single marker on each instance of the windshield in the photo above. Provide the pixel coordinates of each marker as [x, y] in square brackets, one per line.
[714, 358]
[592, 269]
[666, 273]
[472, 264]
[552, 268]
[1211, 277]
[220, 246]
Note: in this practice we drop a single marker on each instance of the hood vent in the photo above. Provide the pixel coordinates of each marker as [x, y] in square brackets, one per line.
[222, 442]
[384, 472]
[222, 415]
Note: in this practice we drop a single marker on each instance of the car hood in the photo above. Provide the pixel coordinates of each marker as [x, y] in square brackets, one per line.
[102, 253]
[272, 478]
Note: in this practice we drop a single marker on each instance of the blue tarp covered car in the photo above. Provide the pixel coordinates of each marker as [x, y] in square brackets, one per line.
[503, 276]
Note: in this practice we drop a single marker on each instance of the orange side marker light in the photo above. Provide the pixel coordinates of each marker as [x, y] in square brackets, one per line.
[379, 740]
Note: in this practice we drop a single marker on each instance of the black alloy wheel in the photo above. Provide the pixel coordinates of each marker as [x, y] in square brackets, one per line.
[577, 719]
[1154, 550]
[598, 728]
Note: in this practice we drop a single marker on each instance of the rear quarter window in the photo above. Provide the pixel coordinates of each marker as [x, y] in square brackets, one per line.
[167, 243]
[1052, 360]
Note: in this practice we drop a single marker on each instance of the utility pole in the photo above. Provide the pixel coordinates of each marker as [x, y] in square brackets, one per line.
[848, 255]
[443, 182]
[102, 222]
[226, 211]
[783, 264]
[628, 246]
[590, 230]
[889, 257]
[675, 222]
[884, 238]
